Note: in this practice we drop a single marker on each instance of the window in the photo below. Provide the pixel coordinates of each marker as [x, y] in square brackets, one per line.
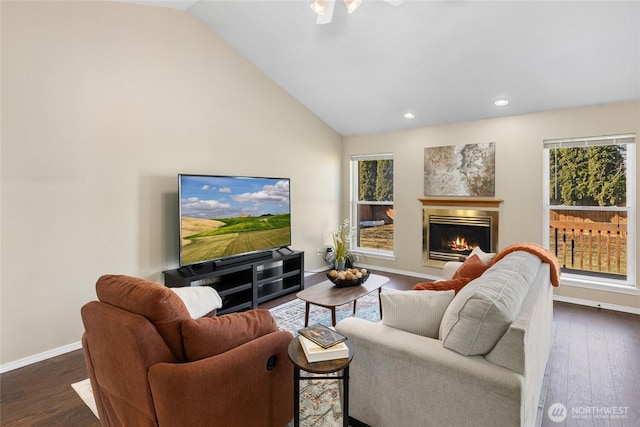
[590, 205]
[372, 203]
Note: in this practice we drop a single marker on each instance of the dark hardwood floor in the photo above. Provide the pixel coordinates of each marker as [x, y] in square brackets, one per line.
[594, 371]
[594, 367]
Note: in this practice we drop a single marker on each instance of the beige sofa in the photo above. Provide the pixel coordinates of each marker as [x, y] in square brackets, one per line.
[485, 368]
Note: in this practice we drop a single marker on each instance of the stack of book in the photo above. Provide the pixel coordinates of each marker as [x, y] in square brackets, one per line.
[321, 343]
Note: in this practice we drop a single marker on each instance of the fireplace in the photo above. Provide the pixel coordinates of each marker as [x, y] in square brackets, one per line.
[450, 235]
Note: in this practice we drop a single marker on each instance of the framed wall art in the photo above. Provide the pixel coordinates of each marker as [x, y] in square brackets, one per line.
[460, 170]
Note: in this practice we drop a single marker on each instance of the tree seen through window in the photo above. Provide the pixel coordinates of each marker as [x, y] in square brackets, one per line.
[374, 204]
[588, 207]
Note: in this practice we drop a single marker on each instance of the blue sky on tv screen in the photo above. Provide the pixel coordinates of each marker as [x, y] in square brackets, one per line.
[230, 197]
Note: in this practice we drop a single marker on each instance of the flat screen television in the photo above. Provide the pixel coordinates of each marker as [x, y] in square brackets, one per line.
[226, 217]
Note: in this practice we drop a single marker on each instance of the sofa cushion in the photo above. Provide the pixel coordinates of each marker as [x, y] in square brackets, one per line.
[208, 336]
[483, 310]
[442, 285]
[417, 312]
[471, 268]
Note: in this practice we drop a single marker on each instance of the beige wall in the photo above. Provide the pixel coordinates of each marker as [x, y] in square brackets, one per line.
[519, 169]
[103, 104]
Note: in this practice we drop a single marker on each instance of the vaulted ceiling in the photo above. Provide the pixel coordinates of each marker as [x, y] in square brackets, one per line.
[446, 61]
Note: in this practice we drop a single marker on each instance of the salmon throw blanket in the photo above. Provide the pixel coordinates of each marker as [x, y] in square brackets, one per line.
[538, 251]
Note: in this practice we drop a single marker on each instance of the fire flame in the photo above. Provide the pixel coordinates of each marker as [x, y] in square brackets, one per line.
[459, 244]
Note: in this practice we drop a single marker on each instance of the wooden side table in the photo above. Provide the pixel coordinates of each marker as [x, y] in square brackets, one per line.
[299, 360]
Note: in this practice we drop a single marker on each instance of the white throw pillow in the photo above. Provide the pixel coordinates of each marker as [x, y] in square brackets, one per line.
[417, 312]
[485, 257]
[199, 300]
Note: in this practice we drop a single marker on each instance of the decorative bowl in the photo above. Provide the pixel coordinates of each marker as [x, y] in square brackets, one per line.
[338, 277]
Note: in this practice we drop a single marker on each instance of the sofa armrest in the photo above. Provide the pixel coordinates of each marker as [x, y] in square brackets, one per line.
[234, 388]
[425, 379]
[449, 269]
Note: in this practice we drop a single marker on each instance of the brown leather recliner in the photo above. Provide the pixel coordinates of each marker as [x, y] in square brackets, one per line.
[151, 364]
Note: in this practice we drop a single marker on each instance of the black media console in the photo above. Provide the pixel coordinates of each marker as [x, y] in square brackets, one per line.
[245, 284]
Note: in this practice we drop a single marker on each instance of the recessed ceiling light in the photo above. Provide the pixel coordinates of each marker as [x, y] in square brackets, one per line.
[319, 6]
[501, 102]
[409, 115]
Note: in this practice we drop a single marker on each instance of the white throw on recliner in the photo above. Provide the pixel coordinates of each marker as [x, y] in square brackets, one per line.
[402, 379]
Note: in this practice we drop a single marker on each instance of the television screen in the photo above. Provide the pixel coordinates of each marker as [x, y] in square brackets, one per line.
[226, 216]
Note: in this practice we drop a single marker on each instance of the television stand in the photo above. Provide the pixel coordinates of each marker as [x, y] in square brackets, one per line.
[244, 284]
[187, 269]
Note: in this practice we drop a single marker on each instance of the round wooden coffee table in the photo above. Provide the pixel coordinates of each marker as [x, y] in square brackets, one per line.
[299, 360]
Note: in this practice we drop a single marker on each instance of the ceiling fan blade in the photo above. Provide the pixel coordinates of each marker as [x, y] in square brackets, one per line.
[328, 13]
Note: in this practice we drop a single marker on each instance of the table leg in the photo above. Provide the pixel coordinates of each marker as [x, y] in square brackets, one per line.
[333, 316]
[296, 397]
[354, 306]
[306, 313]
[345, 400]
[380, 301]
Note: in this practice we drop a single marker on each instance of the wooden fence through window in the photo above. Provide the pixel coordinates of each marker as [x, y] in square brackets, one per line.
[590, 241]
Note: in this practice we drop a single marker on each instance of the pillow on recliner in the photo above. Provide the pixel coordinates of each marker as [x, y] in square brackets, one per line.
[199, 300]
[209, 336]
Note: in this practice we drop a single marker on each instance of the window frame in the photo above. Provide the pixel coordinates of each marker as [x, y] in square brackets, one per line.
[585, 279]
[355, 202]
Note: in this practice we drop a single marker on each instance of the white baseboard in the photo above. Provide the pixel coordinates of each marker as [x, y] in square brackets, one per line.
[589, 303]
[25, 361]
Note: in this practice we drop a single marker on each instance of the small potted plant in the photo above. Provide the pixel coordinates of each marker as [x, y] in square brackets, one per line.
[341, 244]
[343, 258]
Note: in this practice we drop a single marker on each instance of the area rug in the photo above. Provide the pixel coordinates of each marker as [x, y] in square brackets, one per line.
[290, 315]
[83, 388]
